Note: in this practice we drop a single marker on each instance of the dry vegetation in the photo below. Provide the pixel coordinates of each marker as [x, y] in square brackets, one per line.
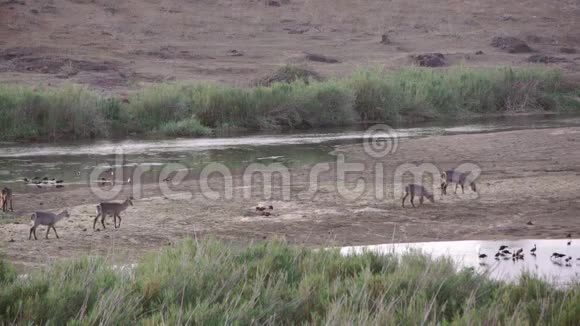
[119, 45]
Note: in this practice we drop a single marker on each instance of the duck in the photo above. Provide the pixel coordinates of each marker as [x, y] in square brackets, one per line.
[479, 254]
[260, 208]
[533, 250]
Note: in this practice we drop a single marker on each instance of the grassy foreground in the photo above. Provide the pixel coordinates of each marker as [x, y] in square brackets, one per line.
[213, 283]
[179, 109]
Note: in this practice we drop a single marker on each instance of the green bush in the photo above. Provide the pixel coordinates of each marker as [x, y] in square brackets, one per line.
[7, 273]
[211, 282]
[185, 128]
[289, 74]
[69, 111]
[368, 95]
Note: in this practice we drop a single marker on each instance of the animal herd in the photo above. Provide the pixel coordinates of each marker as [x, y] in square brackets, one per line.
[50, 219]
[114, 209]
[448, 177]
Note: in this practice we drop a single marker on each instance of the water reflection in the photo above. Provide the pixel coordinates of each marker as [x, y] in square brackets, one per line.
[465, 253]
[73, 162]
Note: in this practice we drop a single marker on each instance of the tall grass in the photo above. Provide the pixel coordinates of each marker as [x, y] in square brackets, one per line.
[213, 283]
[179, 109]
[51, 113]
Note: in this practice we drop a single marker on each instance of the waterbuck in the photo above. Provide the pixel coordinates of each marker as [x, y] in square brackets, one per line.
[458, 178]
[114, 209]
[46, 218]
[419, 191]
[5, 197]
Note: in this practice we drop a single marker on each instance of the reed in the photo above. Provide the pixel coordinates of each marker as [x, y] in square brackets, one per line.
[372, 94]
[216, 283]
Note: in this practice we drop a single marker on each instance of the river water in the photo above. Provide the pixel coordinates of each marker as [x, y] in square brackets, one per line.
[72, 162]
[466, 255]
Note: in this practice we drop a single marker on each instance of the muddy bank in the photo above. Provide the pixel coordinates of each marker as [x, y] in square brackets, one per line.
[527, 176]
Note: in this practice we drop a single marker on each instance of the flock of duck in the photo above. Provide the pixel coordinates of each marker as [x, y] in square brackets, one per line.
[44, 182]
[263, 210]
[518, 254]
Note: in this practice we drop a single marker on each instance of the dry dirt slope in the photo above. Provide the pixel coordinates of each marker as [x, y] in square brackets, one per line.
[118, 45]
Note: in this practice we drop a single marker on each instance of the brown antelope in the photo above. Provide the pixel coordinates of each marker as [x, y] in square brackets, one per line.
[458, 178]
[46, 218]
[5, 197]
[419, 191]
[114, 209]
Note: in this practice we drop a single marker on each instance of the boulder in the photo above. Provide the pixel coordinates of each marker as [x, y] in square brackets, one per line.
[542, 58]
[319, 58]
[510, 44]
[429, 60]
[567, 50]
[385, 39]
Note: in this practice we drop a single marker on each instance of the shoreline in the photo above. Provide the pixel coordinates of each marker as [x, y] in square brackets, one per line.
[527, 176]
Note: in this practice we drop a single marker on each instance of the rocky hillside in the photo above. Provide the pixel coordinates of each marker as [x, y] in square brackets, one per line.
[117, 46]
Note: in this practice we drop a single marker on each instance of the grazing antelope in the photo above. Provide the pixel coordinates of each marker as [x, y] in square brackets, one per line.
[114, 209]
[46, 218]
[456, 177]
[5, 197]
[419, 191]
